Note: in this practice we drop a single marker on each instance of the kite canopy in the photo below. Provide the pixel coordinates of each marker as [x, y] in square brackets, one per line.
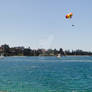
[68, 16]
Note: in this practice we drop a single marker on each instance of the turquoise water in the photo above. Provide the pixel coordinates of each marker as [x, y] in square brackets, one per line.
[46, 74]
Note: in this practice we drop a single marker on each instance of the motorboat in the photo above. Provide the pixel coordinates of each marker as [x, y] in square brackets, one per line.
[59, 55]
[1, 56]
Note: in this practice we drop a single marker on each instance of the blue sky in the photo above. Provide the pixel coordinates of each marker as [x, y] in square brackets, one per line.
[42, 23]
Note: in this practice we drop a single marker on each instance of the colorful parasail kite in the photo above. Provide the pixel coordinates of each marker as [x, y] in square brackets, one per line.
[69, 16]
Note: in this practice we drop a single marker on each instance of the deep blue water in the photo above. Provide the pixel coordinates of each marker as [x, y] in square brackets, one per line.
[46, 74]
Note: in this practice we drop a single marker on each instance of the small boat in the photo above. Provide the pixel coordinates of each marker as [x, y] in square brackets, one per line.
[59, 55]
[2, 56]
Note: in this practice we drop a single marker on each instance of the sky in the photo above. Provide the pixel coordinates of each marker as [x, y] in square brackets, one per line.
[42, 24]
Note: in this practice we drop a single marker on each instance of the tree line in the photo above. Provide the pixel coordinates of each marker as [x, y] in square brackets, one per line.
[22, 51]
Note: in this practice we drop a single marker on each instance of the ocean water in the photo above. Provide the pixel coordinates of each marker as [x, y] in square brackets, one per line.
[46, 74]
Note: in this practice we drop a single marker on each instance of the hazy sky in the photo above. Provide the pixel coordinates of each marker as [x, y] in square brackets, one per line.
[42, 23]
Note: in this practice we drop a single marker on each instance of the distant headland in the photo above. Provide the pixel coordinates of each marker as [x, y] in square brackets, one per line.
[6, 50]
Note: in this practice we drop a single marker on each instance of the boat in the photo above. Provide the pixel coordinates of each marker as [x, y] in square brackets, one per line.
[59, 55]
[2, 56]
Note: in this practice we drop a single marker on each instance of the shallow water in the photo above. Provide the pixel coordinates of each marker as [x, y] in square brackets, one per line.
[46, 74]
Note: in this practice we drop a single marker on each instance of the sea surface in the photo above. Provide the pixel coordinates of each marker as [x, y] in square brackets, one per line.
[46, 74]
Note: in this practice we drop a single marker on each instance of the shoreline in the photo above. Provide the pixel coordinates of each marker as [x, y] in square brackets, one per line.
[47, 56]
